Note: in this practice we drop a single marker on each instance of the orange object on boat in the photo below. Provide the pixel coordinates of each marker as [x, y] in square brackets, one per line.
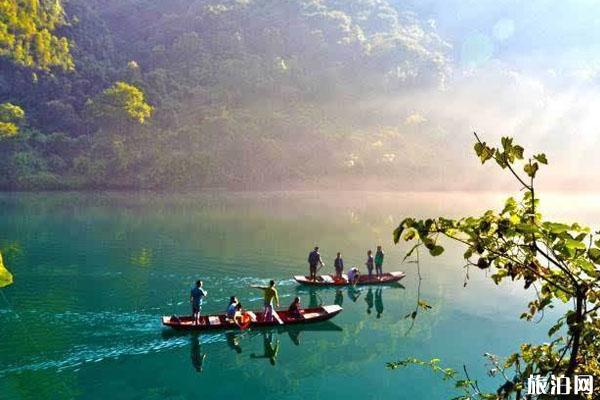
[244, 321]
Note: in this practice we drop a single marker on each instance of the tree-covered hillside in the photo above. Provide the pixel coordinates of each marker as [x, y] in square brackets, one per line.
[193, 93]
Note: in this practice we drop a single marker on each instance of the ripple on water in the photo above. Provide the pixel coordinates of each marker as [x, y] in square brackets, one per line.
[85, 354]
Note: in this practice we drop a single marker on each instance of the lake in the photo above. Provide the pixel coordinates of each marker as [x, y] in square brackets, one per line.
[95, 271]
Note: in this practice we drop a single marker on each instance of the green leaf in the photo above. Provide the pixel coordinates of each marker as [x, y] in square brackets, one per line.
[564, 297]
[409, 234]
[541, 158]
[531, 169]
[574, 244]
[517, 152]
[501, 161]
[486, 154]
[498, 276]
[462, 383]
[436, 250]
[510, 205]
[556, 228]
[526, 228]
[425, 306]
[478, 148]
[6, 277]
[397, 233]
[594, 254]
[555, 328]
[587, 267]
[468, 253]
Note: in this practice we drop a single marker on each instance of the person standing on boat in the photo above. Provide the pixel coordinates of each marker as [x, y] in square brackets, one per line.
[379, 262]
[271, 296]
[369, 263]
[197, 295]
[314, 258]
[338, 263]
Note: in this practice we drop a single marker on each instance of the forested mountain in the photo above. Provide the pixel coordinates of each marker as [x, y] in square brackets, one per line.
[196, 93]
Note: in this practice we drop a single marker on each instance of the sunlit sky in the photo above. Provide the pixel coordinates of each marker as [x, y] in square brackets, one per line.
[529, 69]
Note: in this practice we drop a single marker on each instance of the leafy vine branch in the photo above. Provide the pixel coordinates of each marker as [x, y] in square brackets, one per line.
[517, 243]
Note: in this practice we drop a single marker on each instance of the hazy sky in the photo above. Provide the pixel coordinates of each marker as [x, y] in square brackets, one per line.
[529, 69]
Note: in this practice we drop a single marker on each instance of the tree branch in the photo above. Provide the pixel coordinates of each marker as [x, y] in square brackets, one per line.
[507, 164]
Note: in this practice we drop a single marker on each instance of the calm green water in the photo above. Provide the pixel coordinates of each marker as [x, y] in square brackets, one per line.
[94, 273]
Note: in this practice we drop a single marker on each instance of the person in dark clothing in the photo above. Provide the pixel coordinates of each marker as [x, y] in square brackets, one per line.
[294, 309]
[339, 266]
[379, 262]
[314, 259]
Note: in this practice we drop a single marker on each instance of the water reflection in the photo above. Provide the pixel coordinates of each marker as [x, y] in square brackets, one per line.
[271, 342]
[373, 297]
[197, 356]
[271, 348]
[353, 293]
[369, 300]
[314, 298]
[379, 302]
[294, 335]
[339, 298]
[233, 341]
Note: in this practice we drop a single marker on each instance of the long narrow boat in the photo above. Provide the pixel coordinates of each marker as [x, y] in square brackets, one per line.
[221, 322]
[331, 280]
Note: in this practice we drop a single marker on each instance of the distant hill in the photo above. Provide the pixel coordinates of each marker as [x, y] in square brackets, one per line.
[246, 94]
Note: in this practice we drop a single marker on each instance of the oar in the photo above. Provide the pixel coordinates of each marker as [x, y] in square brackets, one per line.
[319, 268]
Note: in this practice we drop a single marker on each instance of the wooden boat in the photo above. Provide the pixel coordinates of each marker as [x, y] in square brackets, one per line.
[281, 318]
[331, 280]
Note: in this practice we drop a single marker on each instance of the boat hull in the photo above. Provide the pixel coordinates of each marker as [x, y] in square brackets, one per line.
[220, 322]
[330, 280]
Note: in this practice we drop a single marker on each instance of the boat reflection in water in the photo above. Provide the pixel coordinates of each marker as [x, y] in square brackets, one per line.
[373, 297]
[234, 339]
